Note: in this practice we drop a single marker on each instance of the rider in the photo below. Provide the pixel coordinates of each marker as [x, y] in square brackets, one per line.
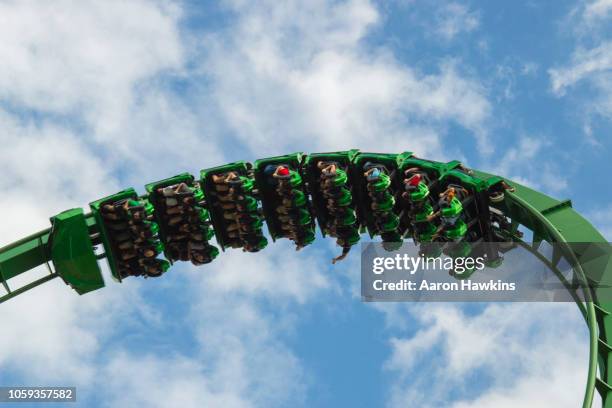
[451, 209]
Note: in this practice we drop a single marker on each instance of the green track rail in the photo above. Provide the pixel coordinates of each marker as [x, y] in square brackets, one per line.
[558, 223]
[68, 247]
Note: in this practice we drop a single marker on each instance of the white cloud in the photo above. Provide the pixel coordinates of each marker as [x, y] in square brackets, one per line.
[46, 169]
[282, 273]
[163, 381]
[454, 19]
[597, 10]
[75, 55]
[506, 345]
[303, 75]
[588, 18]
[591, 64]
[242, 313]
[55, 335]
[102, 72]
[244, 346]
[521, 163]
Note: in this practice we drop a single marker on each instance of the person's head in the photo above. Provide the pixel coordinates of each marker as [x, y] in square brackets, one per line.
[327, 168]
[450, 193]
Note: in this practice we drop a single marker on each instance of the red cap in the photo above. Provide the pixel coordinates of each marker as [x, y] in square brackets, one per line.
[282, 171]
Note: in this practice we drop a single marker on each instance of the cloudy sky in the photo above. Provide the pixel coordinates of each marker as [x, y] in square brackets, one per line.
[96, 96]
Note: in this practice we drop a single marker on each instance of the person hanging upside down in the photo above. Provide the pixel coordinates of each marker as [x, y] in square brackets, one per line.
[415, 186]
[450, 206]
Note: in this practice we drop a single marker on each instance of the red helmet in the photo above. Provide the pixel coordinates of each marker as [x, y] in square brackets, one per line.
[282, 171]
[414, 180]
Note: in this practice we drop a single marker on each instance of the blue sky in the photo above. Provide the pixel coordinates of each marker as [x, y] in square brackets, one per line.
[99, 96]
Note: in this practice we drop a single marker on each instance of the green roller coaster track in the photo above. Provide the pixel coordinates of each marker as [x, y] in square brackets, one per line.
[339, 192]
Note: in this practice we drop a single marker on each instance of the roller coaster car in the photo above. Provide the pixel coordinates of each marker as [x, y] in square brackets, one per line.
[374, 181]
[129, 235]
[416, 205]
[480, 192]
[180, 211]
[456, 214]
[483, 221]
[232, 202]
[328, 183]
[502, 228]
[284, 199]
[418, 188]
[465, 217]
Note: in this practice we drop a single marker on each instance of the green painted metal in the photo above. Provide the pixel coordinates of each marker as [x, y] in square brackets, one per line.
[13, 293]
[72, 252]
[23, 255]
[69, 244]
[433, 168]
[557, 222]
